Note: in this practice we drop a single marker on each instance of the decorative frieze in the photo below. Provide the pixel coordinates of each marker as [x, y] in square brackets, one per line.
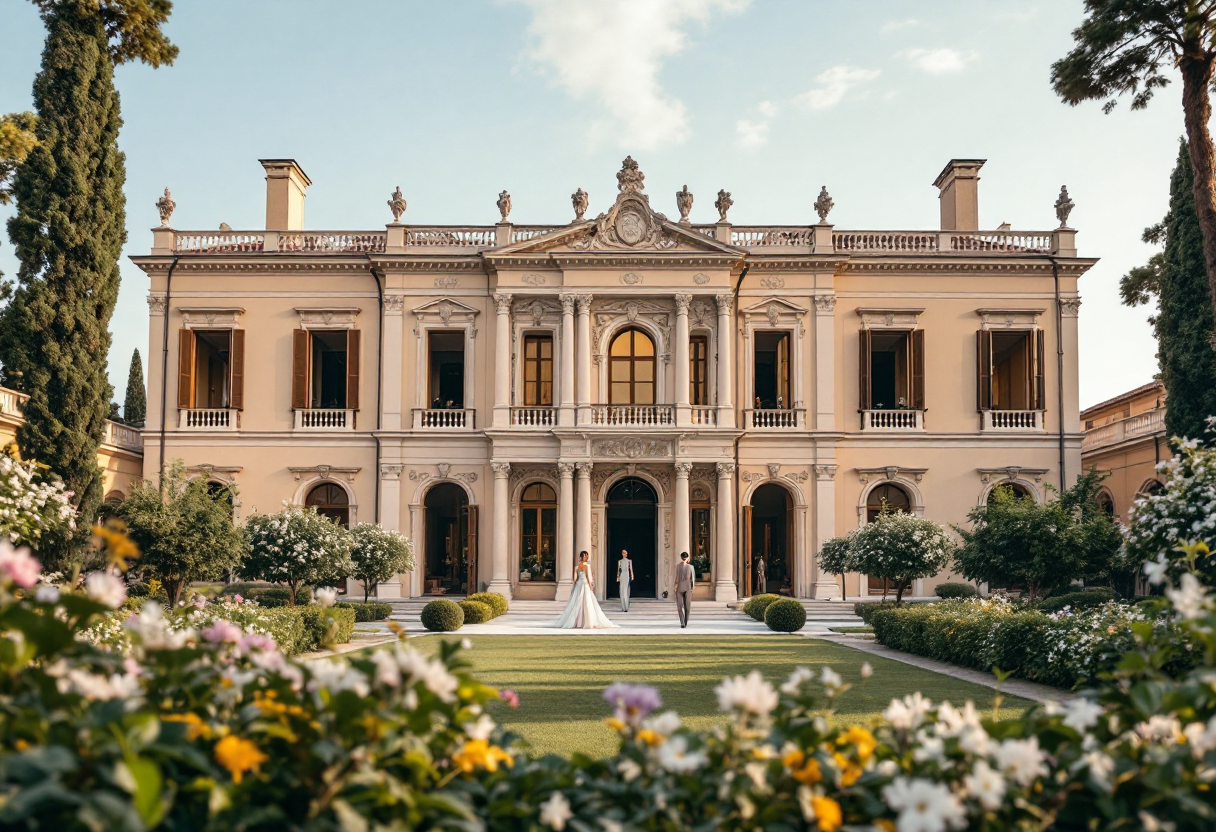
[1010, 473]
[443, 471]
[631, 448]
[334, 317]
[325, 472]
[533, 279]
[872, 318]
[450, 281]
[1009, 318]
[891, 472]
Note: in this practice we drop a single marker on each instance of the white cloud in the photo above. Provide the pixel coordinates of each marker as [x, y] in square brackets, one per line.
[893, 25]
[753, 132]
[833, 83]
[612, 53]
[938, 61]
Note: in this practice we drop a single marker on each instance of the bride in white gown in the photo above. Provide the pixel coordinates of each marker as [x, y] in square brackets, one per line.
[583, 611]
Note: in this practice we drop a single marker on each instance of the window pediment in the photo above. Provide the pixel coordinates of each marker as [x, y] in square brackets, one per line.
[444, 310]
[875, 318]
[210, 317]
[328, 317]
[777, 311]
[1010, 318]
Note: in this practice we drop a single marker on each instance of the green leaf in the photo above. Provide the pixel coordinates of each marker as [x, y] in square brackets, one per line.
[148, 795]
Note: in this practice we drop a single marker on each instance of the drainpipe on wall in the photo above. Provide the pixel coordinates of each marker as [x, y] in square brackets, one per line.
[1055, 274]
[379, 386]
[741, 579]
[164, 370]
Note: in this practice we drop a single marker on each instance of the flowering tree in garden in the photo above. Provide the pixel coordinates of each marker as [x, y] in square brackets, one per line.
[296, 546]
[29, 505]
[897, 546]
[378, 554]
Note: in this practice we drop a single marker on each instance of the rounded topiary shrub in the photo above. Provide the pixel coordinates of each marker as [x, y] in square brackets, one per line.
[785, 615]
[955, 590]
[475, 612]
[496, 602]
[757, 604]
[442, 616]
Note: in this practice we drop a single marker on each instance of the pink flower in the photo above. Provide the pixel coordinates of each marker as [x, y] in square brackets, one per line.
[18, 565]
[223, 631]
[200, 601]
[257, 641]
[237, 598]
[510, 697]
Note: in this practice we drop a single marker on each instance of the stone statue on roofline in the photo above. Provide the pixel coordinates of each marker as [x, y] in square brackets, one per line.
[1064, 206]
[164, 207]
[580, 201]
[684, 203]
[723, 204]
[629, 179]
[504, 205]
[396, 204]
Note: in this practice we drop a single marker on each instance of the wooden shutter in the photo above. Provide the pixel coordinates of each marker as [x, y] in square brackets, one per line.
[746, 549]
[863, 370]
[236, 366]
[300, 344]
[1039, 399]
[472, 556]
[983, 360]
[352, 369]
[783, 371]
[918, 369]
[185, 368]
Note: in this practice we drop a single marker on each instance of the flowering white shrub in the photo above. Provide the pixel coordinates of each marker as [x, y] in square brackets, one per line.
[378, 554]
[29, 507]
[296, 546]
[900, 547]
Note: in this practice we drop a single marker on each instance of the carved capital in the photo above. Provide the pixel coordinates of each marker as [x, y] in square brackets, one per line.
[584, 304]
[394, 304]
[1070, 307]
[502, 303]
[584, 469]
[567, 301]
[156, 304]
[725, 469]
[825, 472]
[683, 469]
[724, 303]
[391, 472]
[502, 470]
[682, 304]
[825, 303]
[565, 470]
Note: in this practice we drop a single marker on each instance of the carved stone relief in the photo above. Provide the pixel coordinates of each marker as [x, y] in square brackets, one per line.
[533, 279]
[700, 279]
[449, 282]
[772, 281]
[631, 448]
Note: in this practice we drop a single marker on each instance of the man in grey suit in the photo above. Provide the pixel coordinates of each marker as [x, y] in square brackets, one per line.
[686, 580]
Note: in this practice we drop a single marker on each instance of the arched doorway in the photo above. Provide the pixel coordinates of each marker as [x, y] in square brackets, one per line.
[329, 499]
[1106, 502]
[893, 498]
[451, 541]
[769, 532]
[631, 518]
[538, 533]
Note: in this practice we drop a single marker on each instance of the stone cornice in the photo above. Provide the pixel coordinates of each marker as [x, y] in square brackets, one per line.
[949, 265]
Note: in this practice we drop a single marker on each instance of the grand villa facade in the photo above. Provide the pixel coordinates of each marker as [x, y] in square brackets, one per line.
[508, 395]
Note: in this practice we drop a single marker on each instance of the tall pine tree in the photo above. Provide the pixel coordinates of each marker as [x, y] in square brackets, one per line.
[1177, 279]
[135, 406]
[68, 234]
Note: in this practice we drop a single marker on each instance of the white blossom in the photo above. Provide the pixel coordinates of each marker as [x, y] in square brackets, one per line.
[924, 806]
[481, 729]
[326, 596]
[800, 676]
[986, 786]
[1190, 599]
[1161, 728]
[1022, 760]
[830, 678]
[665, 724]
[555, 811]
[336, 675]
[867, 670]
[105, 588]
[908, 713]
[750, 694]
[1201, 738]
[675, 756]
[1155, 571]
[1081, 714]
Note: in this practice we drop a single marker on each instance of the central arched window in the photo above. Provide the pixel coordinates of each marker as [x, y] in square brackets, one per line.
[631, 368]
[330, 500]
[887, 495]
[538, 533]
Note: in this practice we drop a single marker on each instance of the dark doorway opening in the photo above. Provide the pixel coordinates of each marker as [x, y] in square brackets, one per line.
[451, 541]
[447, 369]
[772, 371]
[772, 538]
[631, 526]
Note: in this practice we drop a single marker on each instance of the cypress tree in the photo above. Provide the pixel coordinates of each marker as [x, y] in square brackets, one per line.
[1177, 277]
[68, 234]
[135, 406]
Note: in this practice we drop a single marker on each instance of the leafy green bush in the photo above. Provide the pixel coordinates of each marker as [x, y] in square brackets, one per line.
[495, 601]
[296, 546]
[955, 590]
[367, 612]
[866, 609]
[442, 616]
[475, 612]
[785, 615]
[244, 588]
[1085, 599]
[377, 554]
[757, 604]
[322, 625]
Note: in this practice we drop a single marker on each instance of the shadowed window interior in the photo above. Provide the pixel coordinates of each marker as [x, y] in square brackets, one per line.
[772, 371]
[328, 388]
[538, 533]
[451, 540]
[698, 370]
[446, 369]
[631, 369]
[211, 370]
[892, 369]
[772, 537]
[331, 501]
[1011, 370]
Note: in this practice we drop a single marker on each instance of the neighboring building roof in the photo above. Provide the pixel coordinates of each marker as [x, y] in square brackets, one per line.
[1153, 386]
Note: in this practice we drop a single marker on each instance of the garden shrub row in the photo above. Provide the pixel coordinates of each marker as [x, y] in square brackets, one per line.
[444, 615]
[317, 622]
[953, 589]
[364, 612]
[785, 615]
[757, 604]
[1060, 649]
[495, 601]
[1081, 600]
[476, 612]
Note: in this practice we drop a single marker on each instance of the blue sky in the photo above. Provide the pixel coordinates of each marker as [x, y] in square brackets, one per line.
[770, 99]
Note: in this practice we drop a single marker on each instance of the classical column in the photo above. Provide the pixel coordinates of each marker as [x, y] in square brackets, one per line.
[583, 362]
[681, 353]
[499, 582]
[393, 321]
[726, 342]
[724, 566]
[827, 586]
[582, 525]
[565, 416]
[390, 518]
[682, 519]
[565, 531]
[825, 362]
[502, 361]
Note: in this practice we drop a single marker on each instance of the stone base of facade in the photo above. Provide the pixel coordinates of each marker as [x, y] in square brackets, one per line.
[388, 590]
[826, 591]
[502, 587]
[725, 592]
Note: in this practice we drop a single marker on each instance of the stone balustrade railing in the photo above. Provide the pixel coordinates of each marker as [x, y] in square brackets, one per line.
[451, 236]
[645, 415]
[11, 401]
[700, 414]
[772, 236]
[324, 418]
[780, 418]
[426, 418]
[122, 436]
[533, 417]
[887, 420]
[1142, 424]
[1012, 420]
[523, 233]
[336, 242]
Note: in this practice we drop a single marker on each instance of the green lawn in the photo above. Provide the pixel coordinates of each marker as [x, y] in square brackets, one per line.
[560, 680]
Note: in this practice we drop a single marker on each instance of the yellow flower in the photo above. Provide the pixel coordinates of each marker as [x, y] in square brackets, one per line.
[615, 724]
[195, 727]
[238, 756]
[827, 814]
[885, 824]
[802, 768]
[21, 745]
[861, 738]
[650, 737]
[849, 771]
[480, 754]
[112, 541]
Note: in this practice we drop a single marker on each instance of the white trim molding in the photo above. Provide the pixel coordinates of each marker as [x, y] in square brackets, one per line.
[210, 317]
[900, 319]
[328, 317]
[1009, 318]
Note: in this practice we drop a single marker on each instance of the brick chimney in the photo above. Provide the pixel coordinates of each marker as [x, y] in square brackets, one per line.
[285, 186]
[960, 202]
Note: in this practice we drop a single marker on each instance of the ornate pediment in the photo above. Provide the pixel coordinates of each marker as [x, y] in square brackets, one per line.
[444, 310]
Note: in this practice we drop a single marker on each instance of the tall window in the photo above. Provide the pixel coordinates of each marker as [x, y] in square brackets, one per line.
[702, 539]
[331, 501]
[538, 532]
[1010, 370]
[631, 368]
[892, 368]
[211, 368]
[698, 370]
[538, 370]
[446, 382]
[325, 369]
[772, 376]
[887, 495]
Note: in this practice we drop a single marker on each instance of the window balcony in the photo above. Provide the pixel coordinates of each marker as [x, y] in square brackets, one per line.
[324, 418]
[122, 436]
[443, 418]
[781, 418]
[533, 417]
[1012, 420]
[892, 420]
[703, 415]
[641, 415]
[208, 418]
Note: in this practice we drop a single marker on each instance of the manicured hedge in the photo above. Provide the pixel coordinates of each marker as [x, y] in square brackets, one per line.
[367, 612]
[316, 621]
[496, 602]
[442, 616]
[785, 616]
[955, 590]
[1085, 599]
[757, 604]
[476, 612]
[865, 611]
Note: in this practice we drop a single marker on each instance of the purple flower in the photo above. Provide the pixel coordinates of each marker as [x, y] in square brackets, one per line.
[632, 703]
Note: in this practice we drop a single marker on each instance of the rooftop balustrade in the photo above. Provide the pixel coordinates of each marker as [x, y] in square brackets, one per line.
[1133, 427]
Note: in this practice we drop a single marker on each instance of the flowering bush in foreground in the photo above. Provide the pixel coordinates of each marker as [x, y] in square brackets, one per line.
[28, 507]
[216, 730]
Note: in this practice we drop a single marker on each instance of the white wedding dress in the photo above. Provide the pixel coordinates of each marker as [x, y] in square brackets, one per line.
[583, 611]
